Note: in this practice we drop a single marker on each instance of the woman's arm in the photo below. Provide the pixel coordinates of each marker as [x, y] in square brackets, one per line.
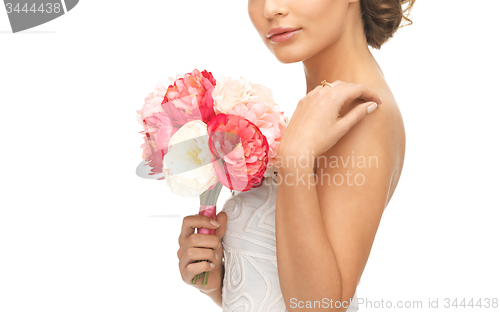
[216, 294]
[324, 232]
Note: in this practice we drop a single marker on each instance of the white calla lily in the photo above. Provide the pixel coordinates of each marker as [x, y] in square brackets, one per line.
[188, 164]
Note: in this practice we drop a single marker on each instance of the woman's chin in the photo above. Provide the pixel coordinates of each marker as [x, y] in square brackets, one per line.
[287, 56]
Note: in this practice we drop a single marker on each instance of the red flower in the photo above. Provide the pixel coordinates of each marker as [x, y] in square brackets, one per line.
[240, 151]
[190, 98]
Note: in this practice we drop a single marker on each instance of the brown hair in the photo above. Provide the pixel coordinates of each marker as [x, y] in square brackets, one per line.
[382, 18]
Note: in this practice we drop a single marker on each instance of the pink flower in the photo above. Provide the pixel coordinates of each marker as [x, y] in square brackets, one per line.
[240, 151]
[157, 136]
[152, 103]
[190, 98]
[228, 92]
[152, 124]
[270, 121]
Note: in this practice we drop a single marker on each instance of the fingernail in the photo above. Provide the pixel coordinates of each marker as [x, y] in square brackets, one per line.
[212, 265]
[371, 108]
[219, 245]
[215, 223]
[216, 256]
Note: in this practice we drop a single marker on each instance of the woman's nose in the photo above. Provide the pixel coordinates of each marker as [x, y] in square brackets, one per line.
[273, 8]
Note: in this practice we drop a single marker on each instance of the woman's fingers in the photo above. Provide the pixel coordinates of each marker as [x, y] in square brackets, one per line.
[222, 219]
[200, 241]
[334, 85]
[193, 254]
[353, 91]
[190, 223]
[196, 247]
[344, 124]
[323, 106]
[194, 269]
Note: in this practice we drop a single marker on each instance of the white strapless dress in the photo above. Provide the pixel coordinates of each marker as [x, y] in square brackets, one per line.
[251, 282]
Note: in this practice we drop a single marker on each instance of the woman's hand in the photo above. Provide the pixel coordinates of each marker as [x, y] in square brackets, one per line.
[316, 124]
[195, 246]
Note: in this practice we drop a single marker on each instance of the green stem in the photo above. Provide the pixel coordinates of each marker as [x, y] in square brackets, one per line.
[205, 279]
[195, 278]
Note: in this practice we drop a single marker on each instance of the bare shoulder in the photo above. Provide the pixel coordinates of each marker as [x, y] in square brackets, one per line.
[391, 132]
[379, 135]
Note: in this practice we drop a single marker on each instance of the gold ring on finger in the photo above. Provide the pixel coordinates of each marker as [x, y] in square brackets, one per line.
[323, 83]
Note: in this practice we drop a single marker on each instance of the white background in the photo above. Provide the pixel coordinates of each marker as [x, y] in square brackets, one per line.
[76, 225]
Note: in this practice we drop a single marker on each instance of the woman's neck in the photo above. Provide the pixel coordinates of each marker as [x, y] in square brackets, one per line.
[348, 59]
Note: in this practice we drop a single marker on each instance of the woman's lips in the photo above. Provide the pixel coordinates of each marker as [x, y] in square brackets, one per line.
[283, 36]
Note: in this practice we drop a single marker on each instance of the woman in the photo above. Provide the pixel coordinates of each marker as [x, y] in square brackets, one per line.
[302, 239]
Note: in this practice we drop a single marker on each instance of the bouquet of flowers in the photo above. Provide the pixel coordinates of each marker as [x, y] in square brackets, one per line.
[201, 133]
